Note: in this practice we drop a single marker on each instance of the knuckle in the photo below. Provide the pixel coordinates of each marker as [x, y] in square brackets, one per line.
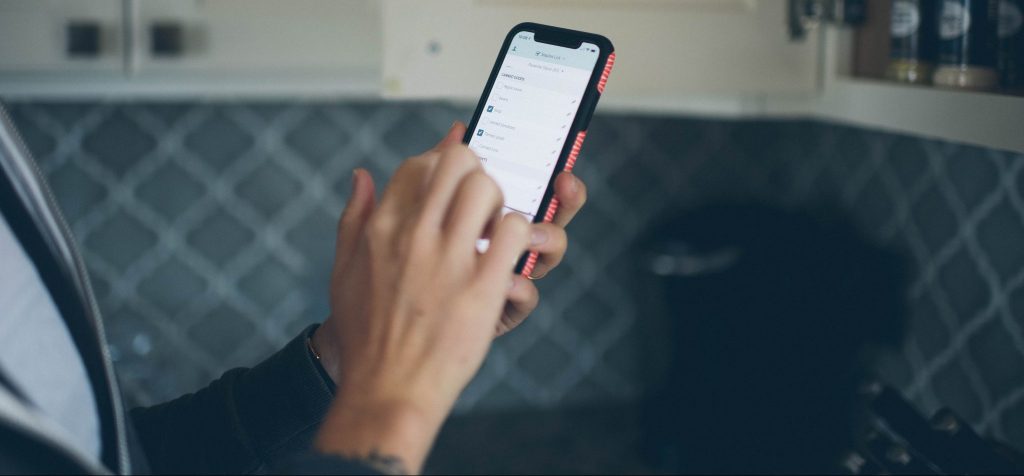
[559, 235]
[421, 236]
[379, 227]
[484, 186]
[518, 225]
[416, 164]
[461, 154]
[404, 242]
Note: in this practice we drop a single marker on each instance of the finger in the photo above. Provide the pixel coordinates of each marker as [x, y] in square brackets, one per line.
[551, 242]
[510, 240]
[477, 203]
[404, 193]
[521, 300]
[572, 194]
[361, 202]
[412, 179]
[454, 136]
[454, 163]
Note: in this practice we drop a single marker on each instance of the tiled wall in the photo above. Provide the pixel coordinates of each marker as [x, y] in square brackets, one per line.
[208, 228]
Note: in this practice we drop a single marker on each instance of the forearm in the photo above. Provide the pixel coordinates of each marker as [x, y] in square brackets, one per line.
[246, 420]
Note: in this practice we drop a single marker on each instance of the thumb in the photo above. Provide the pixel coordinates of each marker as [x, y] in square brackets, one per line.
[360, 206]
[454, 135]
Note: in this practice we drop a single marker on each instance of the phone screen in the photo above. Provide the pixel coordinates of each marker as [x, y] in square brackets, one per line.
[527, 117]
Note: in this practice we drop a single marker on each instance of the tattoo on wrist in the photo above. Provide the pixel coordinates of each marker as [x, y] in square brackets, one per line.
[386, 464]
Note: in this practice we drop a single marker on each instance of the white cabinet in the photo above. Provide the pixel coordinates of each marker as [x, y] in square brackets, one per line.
[34, 36]
[218, 48]
[666, 50]
[263, 41]
[729, 58]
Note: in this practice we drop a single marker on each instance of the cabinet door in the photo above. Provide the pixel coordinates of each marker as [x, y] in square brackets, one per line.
[261, 40]
[664, 48]
[34, 36]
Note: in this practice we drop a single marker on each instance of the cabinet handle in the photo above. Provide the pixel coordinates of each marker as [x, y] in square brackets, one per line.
[166, 39]
[82, 39]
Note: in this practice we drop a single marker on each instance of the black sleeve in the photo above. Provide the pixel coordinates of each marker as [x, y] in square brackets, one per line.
[248, 421]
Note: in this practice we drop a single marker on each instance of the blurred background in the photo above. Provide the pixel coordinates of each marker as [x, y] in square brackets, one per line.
[202, 152]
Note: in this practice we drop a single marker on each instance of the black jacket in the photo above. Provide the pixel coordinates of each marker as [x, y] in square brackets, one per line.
[249, 421]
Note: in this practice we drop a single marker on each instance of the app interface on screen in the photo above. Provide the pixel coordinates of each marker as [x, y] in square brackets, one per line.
[527, 117]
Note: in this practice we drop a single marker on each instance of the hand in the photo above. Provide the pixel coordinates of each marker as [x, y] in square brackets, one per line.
[548, 239]
[413, 305]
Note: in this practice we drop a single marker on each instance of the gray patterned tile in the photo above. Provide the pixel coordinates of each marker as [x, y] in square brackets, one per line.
[1016, 305]
[222, 331]
[268, 188]
[964, 286]
[118, 143]
[268, 283]
[504, 396]
[315, 235]
[927, 327]
[170, 190]
[80, 192]
[172, 286]
[317, 138]
[546, 361]
[169, 113]
[1013, 424]
[1001, 236]
[1000, 370]
[908, 159]
[973, 174]
[934, 218]
[220, 237]
[410, 134]
[121, 240]
[874, 206]
[39, 142]
[953, 384]
[68, 114]
[589, 314]
[252, 191]
[218, 141]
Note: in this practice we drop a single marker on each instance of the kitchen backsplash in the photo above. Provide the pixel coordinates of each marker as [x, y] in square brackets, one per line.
[209, 227]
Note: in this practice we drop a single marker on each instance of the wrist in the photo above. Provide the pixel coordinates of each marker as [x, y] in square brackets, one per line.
[392, 436]
[321, 346]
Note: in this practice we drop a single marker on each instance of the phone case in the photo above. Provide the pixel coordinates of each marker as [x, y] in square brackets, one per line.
[588, 104]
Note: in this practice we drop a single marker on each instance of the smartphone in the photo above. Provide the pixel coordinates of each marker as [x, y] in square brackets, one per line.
[533, 114]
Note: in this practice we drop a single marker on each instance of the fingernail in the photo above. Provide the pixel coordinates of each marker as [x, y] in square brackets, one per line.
[511, 284]
[454, 123]
[575, 183]
[353, 189]
[538, 237]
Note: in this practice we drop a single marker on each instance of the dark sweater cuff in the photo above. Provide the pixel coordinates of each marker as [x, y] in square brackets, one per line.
[283, 400]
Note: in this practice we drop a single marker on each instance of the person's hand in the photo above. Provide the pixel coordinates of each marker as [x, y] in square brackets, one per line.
[548, 239]
[414, 306]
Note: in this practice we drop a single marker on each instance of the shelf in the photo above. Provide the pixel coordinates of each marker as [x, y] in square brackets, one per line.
[323, 85]
[985, 119]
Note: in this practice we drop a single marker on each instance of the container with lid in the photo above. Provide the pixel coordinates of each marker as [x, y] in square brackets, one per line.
[912, 41]
[1011, 45]
[967, 44]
